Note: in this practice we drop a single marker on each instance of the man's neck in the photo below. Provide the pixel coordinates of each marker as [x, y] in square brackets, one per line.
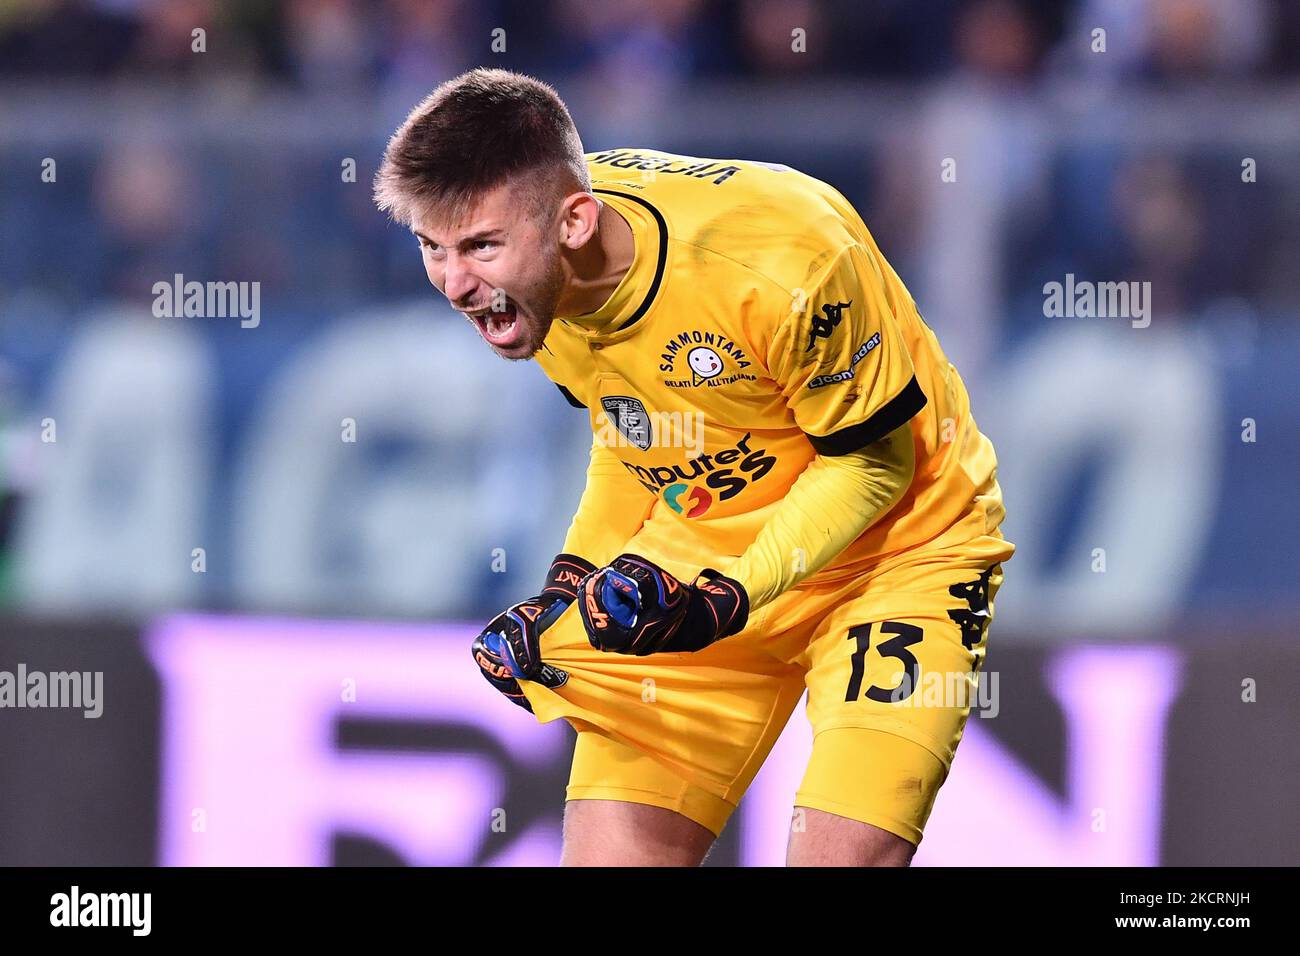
[598, 267]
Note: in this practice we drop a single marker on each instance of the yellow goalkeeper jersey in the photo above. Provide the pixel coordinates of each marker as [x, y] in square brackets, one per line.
[759, 326]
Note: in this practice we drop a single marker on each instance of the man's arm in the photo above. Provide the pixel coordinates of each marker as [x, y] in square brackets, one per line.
[612, 509]
[847, 377]
[827, 508]
[632, 606]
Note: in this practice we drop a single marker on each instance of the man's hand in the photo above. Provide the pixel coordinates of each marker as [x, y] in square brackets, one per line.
[632, 606]
[509, 648]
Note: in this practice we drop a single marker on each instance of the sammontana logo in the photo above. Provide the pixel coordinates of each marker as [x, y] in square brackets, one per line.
[716, 470]
[847, 374]
[704, 358]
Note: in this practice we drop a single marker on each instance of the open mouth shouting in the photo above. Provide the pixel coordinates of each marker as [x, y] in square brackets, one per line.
[501, 329]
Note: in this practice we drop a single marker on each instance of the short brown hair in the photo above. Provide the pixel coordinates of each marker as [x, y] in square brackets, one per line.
[474, 133]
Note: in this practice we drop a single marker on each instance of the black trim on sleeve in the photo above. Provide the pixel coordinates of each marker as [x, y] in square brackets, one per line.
[569, 396]
[897, 411]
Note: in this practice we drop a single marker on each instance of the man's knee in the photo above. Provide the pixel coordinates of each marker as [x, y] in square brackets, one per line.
[619, 833]
[858, 774]
[825, 839]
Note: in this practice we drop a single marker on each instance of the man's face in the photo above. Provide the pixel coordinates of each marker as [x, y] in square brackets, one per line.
[501, 267]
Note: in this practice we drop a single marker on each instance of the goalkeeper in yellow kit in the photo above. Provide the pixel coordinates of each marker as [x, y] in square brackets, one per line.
[786, 491]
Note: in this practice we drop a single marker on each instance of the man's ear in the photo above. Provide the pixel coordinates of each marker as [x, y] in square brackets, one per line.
[579, 214]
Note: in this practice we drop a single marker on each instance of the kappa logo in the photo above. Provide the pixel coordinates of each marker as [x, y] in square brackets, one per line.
[973, 619]
[824, 325]
[630, 418]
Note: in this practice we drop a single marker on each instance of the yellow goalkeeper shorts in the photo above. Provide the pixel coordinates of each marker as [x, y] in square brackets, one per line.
[890, 662]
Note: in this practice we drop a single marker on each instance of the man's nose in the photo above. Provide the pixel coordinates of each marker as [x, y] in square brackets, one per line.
[458, 284]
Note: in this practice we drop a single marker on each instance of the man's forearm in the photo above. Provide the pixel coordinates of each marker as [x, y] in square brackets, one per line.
[612, 509]
[827, 508]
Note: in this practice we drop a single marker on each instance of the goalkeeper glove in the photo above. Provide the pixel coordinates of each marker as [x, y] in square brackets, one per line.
[633, 606]
[509, 648]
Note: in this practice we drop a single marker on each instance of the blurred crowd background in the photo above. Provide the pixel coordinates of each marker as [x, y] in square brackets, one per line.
[335, 44]
[231, 519]
[226, 157]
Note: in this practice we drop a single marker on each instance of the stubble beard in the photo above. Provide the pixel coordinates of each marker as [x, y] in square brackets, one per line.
[547, 301]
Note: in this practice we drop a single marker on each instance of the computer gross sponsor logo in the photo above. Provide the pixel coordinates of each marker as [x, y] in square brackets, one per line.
[689, 500]
[691, 489]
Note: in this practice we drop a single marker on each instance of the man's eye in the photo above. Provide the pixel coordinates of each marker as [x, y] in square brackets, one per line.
[484, 244]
